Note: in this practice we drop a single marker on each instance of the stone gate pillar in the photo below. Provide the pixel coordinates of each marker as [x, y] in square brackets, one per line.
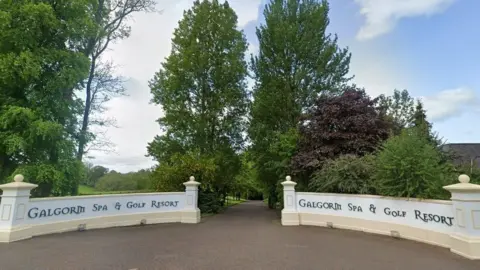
[191, 213]
[465, 240]
[13, 210]
[290, 215]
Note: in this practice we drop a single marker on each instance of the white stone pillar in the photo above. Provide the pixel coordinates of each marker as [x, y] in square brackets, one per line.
[465, 240]
[290, 215]
[13, 210]
[191, 213]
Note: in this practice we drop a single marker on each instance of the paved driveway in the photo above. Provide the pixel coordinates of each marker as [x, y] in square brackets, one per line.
[246, 236]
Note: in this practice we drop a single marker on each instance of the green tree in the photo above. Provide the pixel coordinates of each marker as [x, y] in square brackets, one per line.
[201, 87]
[40, 67]
[399, 109]
[171, 174]
[297, 62]
[419, 120]
[246, 182]
[410, 166]
[143, 178]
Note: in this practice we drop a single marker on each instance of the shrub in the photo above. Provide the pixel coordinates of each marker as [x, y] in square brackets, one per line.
[208, 201]
[346, 174]
[409, 166]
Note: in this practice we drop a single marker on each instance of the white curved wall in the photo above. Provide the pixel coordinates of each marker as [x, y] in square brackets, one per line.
[453, 224]
[429, 221]
[50, 215]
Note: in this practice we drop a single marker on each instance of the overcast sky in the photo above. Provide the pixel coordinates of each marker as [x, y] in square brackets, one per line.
[426, 46]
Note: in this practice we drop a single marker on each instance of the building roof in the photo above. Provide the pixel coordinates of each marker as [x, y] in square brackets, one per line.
[464, 152]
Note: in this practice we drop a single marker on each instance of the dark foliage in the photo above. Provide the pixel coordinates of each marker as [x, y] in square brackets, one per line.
[208, 201]
[338, 125]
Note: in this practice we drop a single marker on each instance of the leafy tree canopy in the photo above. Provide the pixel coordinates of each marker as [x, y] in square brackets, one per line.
[298, 60]
[201, 87]
[398, 108]
[338, 125]
[40, 67]
[409, 166]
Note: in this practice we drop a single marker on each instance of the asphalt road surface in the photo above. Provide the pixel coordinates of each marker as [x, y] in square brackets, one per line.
[246, 236]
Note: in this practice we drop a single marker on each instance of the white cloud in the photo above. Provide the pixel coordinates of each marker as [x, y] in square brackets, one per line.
[450, 103]
[136, 127]
[376, 71]
[247, 10]
[381, 16]
[138, 58]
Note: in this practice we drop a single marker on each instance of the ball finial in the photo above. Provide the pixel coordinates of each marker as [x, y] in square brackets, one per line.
[18, 178]
[192, 178]
[288, 178]
[464, 178]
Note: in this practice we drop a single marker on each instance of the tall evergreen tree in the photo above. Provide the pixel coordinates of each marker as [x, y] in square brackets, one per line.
[297, 61]
[419, 119]
[201, 87]
[40, 68]
[424, 127]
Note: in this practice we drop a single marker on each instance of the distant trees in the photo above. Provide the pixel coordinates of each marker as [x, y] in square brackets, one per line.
[93, 174]
[115, 181]
[246, 184]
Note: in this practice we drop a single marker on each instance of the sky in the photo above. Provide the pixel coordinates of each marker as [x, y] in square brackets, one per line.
[429, 47]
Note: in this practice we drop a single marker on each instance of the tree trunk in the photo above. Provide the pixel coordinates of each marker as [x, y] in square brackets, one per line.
[82, 142]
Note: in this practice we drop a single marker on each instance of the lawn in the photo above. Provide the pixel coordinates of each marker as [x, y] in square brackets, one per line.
[232, 201]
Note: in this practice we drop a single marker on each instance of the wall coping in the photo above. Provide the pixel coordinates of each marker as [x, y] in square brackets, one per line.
[191, 182]
[105, 195]
[377, 197]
